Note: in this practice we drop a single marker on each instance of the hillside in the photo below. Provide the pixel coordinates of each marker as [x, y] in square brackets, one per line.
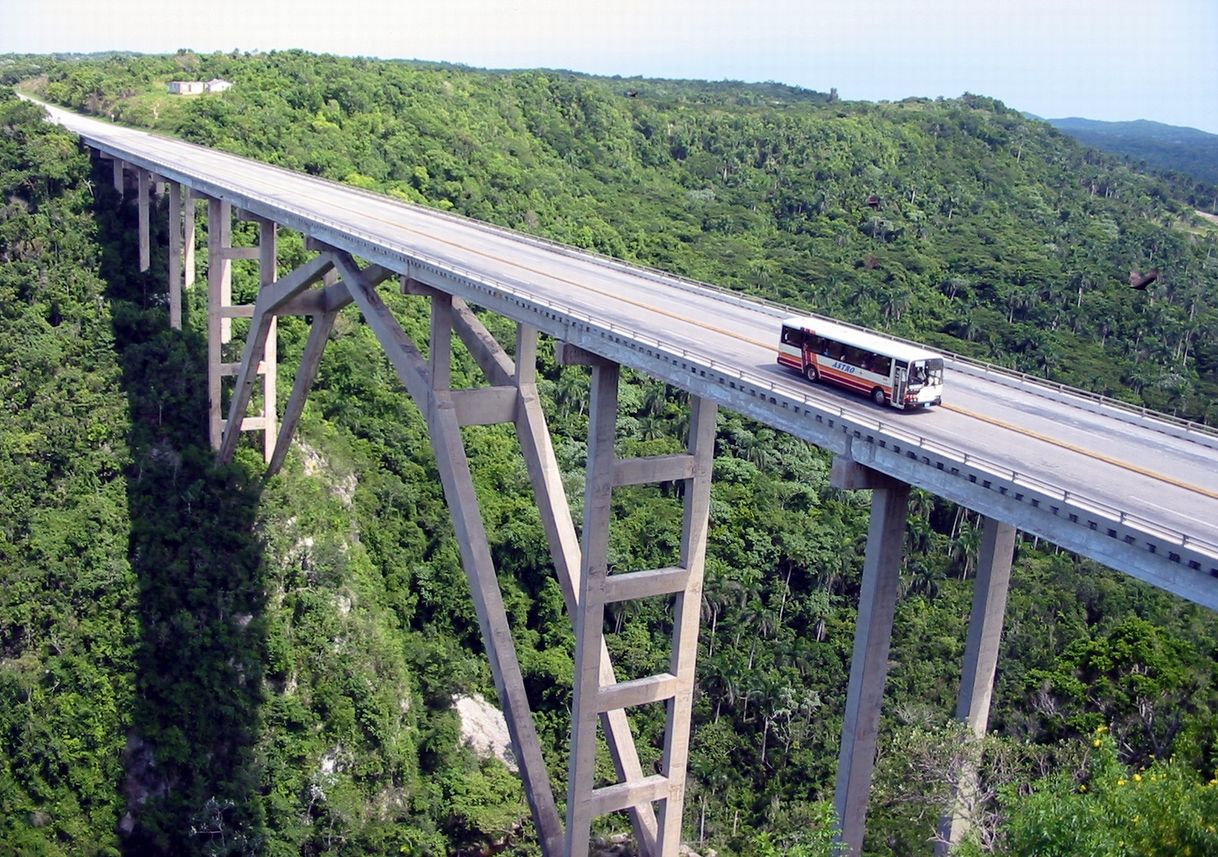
[1169, 148]
[289, 686]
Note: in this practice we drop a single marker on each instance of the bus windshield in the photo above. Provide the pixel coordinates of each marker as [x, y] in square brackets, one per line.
[926, 372]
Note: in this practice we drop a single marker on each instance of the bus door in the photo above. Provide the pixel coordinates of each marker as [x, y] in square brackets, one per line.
[900, 380]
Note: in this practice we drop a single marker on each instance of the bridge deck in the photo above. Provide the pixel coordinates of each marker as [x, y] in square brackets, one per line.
[1135, 492]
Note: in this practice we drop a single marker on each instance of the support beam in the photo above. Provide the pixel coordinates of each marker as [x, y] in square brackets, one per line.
[319, 335]
[872, 635]
[268, 274]
[687, 614]
[453, 467]
[120, 183]
[546, 478]
[980, 663]
[222, 227]
[175, 256]
[590, 618]
[144, 179]
[219, 285]
[485, 406]
[597, 587]
[440, 358]
[188, 238]
[259, 344]
[334, 296]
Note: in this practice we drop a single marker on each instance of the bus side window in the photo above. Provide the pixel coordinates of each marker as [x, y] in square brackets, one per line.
[882, 365]
[815, 344]
[791, 336]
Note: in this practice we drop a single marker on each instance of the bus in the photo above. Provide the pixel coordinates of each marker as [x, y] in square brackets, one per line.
[890, 372]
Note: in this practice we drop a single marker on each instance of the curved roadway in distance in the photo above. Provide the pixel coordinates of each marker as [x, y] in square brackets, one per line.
[1133, 467]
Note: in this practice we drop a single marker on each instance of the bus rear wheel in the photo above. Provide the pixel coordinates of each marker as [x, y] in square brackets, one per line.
[811, 374]
[877, 396]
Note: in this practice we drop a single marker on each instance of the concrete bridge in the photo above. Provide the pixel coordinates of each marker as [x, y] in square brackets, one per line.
[1136, 491]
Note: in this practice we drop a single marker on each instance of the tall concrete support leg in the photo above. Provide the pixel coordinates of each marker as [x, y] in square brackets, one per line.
[223, 260]
[441, 409]
[219, 290]
[119, 176]
[590, 620]
[546, 478]
[188, 239]
[688, 616]
[145, 180]
[593, 696]
[873, 633]
[268, 269]
[980, 664]
[175, 256]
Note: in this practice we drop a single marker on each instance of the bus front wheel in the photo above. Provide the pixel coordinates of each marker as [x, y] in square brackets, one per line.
[877, 396]
[811, 374]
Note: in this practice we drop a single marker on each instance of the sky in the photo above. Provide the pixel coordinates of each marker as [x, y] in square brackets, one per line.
[1101, 59]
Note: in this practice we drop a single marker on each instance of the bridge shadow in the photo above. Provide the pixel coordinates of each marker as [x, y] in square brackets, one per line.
[191, 782]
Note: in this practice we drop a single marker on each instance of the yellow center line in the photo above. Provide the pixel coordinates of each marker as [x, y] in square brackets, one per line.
[1099, 456]
[1081, 450]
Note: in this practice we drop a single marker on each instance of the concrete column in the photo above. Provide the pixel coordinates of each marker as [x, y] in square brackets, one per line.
[119, 177]
[222, 227]
[872, 635]
[687, 618]
[145, 179]
[175, 256]
[441, 348]
[546, 476]
[219, 271]
[980, 664]
[268, 273]
[188, 239]
[590, 618]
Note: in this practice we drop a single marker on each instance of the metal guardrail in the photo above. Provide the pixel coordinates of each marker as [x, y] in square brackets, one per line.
[1192, 430]
[1201, 433]
[375, 246]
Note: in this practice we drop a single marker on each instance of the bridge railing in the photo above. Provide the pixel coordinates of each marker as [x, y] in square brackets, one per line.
[1058, 391]
[1039, 492]
[1170, 424]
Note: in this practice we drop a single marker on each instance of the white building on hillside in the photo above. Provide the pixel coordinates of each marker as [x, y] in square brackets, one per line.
[187, 87]
[198, 87]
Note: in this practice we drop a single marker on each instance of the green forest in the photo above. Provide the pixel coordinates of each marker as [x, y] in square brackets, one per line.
[197, 660]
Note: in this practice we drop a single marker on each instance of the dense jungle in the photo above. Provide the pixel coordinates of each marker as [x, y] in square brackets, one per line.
[195, 660]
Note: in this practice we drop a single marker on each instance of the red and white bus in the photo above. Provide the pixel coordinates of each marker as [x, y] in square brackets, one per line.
[890, 372]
